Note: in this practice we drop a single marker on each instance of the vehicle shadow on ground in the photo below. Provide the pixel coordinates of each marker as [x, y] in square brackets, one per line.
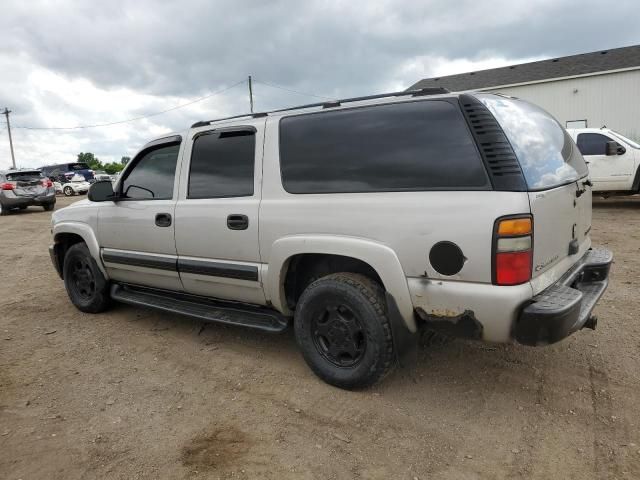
[446, 367]
[26, 211]
[617, 202]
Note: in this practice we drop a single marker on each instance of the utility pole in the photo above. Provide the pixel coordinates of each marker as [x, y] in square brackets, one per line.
[6, 114]
[250, 94]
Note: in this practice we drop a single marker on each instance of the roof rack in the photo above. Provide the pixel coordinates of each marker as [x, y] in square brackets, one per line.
[333, 103]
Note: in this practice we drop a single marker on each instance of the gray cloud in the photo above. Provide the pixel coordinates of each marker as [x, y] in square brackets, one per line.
[181, 50]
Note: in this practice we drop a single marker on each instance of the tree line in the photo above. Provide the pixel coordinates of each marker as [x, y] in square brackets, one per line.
[95, 163]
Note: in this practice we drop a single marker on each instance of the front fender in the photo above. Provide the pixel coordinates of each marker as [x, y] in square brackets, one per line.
[86, 232]
[380, 257]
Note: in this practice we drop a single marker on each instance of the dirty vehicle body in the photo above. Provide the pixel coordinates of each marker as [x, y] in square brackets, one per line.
[613, 160]
[359, 221]
[20, 189]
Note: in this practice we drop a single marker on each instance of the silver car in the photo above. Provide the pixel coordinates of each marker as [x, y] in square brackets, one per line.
[22, 188]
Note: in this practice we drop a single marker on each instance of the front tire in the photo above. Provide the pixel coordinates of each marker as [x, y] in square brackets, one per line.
[68, 191]
[343, 331]
[86, 286]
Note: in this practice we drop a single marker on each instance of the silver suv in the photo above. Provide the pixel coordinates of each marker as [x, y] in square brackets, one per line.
[21, 188]
[360, 222]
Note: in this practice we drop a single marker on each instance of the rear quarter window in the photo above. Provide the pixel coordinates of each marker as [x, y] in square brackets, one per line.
[547, 154]
[411, 146]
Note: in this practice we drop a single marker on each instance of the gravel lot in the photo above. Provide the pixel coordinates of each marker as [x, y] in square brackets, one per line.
[134, 393]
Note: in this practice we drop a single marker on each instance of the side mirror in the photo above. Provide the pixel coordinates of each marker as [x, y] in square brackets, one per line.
[611, 148]
[102, 191]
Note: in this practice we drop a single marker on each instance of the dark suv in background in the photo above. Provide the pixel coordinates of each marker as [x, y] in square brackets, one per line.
[21, 188]
[64, 172]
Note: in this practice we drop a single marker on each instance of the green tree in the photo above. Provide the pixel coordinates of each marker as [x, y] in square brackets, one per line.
[112, 168]
[91, 160]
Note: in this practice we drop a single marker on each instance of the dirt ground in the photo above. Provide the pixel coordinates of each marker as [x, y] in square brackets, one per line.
[135, 393]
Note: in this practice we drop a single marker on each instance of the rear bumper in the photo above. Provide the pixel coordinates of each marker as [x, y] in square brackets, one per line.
[16, 201]
[566, 306]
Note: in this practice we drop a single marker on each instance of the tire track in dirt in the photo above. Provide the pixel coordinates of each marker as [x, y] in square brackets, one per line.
[607, 434]
[526, 456]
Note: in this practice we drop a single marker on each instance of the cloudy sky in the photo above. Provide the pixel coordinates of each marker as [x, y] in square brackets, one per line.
[74, 63]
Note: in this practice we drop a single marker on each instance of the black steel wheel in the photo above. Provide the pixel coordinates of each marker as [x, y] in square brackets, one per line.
[338, 335]
[85, 284]
[343, 331]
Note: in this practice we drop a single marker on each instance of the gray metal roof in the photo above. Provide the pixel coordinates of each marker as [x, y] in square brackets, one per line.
[584, 63]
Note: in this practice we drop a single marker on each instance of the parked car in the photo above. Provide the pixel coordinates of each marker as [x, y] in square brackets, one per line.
[100, 175]
[21, 188]
[65, 171]
[58, 187]
[613, 159]
[360, 222]
[76, 186]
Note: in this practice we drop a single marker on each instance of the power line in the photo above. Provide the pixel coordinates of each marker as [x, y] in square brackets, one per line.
[137, 118]
[292, 91]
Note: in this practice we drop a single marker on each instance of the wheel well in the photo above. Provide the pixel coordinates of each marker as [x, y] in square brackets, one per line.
[62, 243]
[305, 268]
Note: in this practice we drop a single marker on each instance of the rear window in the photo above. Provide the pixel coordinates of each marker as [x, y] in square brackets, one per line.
[546, 153]
[74, 167]
[412, 146]
[24, 176]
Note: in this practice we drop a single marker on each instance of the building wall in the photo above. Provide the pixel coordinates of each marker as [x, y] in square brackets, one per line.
[611, 99]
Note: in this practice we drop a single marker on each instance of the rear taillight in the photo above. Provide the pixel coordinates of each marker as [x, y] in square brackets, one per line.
[512, 250]
[47, 183]
[7, 186]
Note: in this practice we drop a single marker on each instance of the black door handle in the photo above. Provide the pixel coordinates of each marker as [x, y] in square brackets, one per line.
[237, 222]
[163, 219]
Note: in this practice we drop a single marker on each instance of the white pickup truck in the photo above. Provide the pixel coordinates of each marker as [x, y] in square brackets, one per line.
[613, 160]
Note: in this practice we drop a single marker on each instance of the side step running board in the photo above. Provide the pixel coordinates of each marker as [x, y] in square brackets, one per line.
[202, 308]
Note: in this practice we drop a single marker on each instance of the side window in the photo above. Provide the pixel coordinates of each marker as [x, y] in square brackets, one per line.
[410, 146]
[222, 164]
[592, 143]
[152, 176]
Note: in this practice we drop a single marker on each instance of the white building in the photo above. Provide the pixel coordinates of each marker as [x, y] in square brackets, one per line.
[591, 89]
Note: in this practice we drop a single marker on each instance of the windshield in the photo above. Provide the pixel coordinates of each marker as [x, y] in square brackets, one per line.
[546, 153]
[631, 143]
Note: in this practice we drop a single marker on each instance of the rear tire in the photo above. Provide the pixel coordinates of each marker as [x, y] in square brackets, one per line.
[343, 331]
[68, 191]
[48, 206]
[22, 207]
[86, 286]
[3, 211]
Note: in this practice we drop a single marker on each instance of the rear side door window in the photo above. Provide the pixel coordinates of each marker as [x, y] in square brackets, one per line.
[222, 164]
[152, 177]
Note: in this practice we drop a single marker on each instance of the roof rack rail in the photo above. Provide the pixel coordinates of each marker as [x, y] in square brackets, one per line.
[335, 103]
[204, 123]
